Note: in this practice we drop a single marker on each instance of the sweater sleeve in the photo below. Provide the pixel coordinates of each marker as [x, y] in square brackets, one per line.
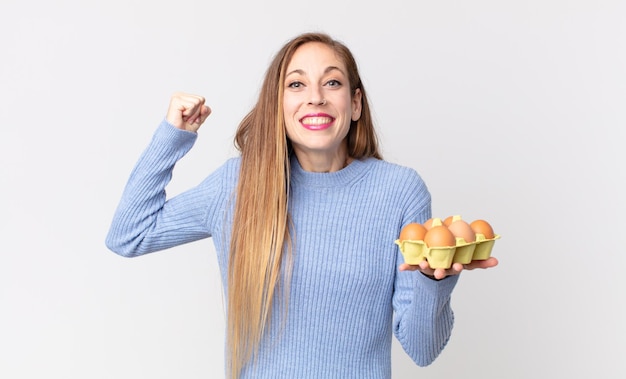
[423, 317]
[145, 221]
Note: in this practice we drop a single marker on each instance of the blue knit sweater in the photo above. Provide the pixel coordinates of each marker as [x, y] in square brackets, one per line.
[347, 296]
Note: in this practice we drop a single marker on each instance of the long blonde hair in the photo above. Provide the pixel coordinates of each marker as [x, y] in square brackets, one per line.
[261, 236]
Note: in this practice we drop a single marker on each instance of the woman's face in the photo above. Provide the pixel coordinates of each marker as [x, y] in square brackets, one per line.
[318, 108]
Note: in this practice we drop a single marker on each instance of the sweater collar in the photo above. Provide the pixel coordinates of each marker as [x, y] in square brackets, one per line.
[327, 179]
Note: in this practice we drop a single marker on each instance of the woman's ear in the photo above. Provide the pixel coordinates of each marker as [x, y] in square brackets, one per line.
[356, 105]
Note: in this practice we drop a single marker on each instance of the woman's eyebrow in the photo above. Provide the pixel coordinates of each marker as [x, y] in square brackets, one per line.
[326, 71]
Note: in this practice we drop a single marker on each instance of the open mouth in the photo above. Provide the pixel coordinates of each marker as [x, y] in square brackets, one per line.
[316, 122]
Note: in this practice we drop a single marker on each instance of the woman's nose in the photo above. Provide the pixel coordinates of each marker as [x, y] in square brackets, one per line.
[318, 102]
[317, 98]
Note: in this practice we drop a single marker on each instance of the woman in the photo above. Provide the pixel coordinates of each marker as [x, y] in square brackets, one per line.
[303, 223]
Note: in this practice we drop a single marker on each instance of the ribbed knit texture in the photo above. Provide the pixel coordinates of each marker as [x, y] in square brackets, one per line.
[347, 296]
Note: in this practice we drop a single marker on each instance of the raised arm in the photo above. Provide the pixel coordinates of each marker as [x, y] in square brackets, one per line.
[145, 221]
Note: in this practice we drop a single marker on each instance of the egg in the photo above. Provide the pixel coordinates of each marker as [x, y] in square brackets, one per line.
[439, 236]
[482, 227]
[413, 232]
[461, 229]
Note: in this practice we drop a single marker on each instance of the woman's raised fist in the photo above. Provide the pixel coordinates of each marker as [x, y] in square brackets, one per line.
[187, 111]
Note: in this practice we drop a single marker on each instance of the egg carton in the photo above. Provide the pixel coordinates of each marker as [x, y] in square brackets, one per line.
[443, 257]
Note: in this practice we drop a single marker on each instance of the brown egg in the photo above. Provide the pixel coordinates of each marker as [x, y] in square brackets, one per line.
[439, 236]
[413, 232]
[460, 228]
[482, 227]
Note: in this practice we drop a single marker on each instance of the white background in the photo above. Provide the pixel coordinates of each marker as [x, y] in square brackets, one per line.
[512, 111]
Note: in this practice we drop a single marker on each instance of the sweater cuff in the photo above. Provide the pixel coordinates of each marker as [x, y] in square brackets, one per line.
[441, 287]
[172, 136]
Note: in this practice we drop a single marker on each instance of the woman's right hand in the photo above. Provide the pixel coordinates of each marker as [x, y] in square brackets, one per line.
[187, 111]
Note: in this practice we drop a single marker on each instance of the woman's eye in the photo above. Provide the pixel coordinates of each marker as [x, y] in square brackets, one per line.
[333, 83]
[295, 85]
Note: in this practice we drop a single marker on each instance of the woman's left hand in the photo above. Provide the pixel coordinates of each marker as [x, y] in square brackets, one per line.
[455, 269]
